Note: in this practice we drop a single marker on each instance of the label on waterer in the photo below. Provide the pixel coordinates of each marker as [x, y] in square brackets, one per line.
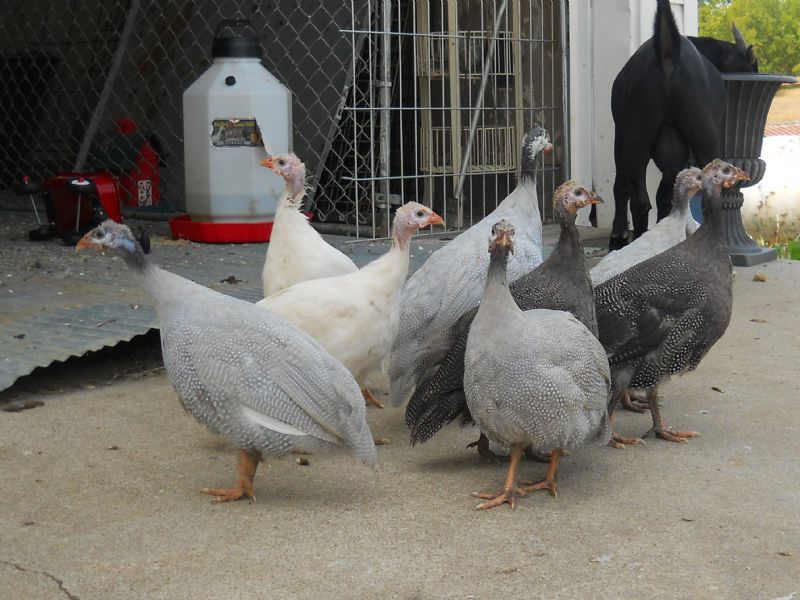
[236, 132]
[145, 192]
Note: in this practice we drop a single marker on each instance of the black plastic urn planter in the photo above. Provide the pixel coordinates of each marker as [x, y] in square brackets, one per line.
[749, 96]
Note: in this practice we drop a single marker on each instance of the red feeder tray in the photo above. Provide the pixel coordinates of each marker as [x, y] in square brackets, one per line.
[184, 227]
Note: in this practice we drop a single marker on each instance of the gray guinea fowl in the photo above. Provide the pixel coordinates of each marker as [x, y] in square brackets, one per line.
[667, 232]
[660, 317]
[537, 378]
[244, 372]
[450, 282]
[560, 283]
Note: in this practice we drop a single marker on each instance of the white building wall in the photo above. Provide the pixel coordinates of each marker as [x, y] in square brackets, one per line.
[603, 34]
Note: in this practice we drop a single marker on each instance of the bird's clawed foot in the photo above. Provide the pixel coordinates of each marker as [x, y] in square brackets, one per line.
[634, 405]
[370, 399]
[248, 463]
[619, 442]
[499, 498]
[229, 494]
[680, 437]
[544, 484]
[659, 430]
[549, 482]
[482, 443]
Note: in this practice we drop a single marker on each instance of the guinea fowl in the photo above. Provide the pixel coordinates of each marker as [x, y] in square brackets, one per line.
[537, 378]
[243, 372]
[560, 283]
[660, 317]
[450, 282]
[355, 316]
[671, 230]
[296, 250]
[668, 231]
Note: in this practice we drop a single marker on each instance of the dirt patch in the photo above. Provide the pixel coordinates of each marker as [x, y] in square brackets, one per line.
[786, 105]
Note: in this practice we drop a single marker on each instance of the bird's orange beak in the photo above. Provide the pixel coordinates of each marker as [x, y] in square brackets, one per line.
[267, 162]
[594, 198]
[435, 219]
[86, 242]
[740, 175]
[503, 240]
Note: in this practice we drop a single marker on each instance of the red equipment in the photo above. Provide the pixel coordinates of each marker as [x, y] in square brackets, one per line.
[65, 202]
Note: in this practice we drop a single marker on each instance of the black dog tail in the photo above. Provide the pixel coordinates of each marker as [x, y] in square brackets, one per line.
[666, 37]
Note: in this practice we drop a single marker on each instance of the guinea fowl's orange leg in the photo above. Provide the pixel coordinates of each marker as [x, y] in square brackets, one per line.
[482, 443]
[549, 481]
[658, 429]
[248, 463]
[617, 441]
[370, 399]
[633, 405]
[510, 489]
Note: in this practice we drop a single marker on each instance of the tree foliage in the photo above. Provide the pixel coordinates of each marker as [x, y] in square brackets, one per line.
[771, 26]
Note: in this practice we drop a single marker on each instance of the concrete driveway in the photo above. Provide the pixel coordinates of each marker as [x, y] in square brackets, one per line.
[100, 497]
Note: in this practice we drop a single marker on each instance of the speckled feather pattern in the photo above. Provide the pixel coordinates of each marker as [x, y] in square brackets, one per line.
[538, 378]
[450, 282]
[230, 361]
[660, 317]
[559, 283]
[664, 235]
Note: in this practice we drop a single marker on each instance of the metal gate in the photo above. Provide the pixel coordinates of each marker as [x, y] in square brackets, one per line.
[441, 93]
[394, 100]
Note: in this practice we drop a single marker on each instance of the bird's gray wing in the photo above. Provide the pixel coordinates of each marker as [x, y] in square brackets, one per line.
[265, 364]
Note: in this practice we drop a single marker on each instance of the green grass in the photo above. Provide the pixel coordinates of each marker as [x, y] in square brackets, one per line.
[790, 250]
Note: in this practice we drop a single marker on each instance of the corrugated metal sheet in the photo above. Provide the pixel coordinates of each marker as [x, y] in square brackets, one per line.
[56, 335]
[56, 303]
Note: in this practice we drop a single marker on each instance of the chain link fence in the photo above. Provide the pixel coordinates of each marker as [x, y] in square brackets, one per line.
[390, 96]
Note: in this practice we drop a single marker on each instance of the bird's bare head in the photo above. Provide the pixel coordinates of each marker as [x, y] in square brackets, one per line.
[537, 140]
[291, 169]
[720, 174]
[108, 236]
[413, 216]
[689, 181]
[502, 236]
[569, 197]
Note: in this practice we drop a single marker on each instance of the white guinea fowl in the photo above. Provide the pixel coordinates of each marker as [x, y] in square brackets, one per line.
[669, 231]
[296, 250]
[450, 282]
[535, 378]
[243, 372]
[355, 316]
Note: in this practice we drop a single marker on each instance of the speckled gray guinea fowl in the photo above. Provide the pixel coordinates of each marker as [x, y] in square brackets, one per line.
[560, 283]
[667, 232]
[661, 316]
[536, 378]
[244, 372]
[450, 282]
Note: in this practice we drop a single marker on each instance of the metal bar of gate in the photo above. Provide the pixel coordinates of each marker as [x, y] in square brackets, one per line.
[476, 113]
